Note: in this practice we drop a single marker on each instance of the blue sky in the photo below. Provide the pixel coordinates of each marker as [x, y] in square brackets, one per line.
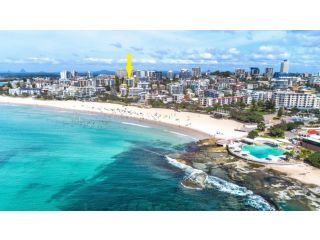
[164, 50]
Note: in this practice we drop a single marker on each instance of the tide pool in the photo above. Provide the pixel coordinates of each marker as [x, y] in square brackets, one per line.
[60, 160]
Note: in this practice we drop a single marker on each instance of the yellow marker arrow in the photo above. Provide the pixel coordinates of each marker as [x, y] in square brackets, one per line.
[129, 65]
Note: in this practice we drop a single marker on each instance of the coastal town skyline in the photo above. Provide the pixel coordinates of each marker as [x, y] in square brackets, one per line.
[173, 130]
[52, 51]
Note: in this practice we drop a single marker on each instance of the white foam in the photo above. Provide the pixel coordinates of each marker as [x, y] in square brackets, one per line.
[181, 134]
[253, 200]
[135, 124]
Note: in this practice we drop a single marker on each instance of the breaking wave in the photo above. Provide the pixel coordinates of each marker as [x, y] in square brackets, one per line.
[221, 185]
[135, 124]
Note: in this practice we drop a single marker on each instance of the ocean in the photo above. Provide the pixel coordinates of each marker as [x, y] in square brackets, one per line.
[62, 160]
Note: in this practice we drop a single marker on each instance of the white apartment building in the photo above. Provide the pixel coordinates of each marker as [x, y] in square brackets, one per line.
[288, 99]
[284, 67]
[209, 101]
[135, 91]
[261, 95]
[175, 88]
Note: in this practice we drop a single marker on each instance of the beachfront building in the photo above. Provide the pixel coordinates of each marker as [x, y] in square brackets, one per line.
[178, 98]
[312, 142]
[209, 101]
[24, 91]
[135, 92]
[289, 99]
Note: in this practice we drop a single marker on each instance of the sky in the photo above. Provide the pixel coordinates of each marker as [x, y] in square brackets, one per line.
[53, 51]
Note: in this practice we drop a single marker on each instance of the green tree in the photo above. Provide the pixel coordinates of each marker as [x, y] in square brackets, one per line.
[269, 106]
[295, 110]
[289, 154]
[117, 83]
[261, 126]
[305, 154]
[253, 134]
[314, 159]
[280, 112]
[276, 132]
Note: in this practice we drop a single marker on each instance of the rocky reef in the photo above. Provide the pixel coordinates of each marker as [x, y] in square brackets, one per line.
[214, 167]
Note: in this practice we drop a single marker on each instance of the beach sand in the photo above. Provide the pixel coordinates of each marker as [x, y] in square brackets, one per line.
[301, 172]
[201, 123]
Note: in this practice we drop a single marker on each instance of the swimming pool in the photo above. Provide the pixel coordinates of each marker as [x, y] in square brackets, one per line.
[262, 151]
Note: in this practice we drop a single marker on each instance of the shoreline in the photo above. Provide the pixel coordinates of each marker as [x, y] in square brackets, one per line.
[198, 126]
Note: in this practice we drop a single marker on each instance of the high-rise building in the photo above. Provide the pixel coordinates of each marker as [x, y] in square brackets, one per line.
[284, 68]
[240, 73]
[269, 72]
[89, 74]
[158, 75]
[184, 74]
[196, 72]
[170, 75]
[65, 74]
[74, 74]
[254, 71]
[288, 99]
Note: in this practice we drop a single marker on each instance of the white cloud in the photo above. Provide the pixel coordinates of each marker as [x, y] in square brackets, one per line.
[265, 48]
[30, 60]
[148, 61]
[233, 51]
[206, 55]
[284, 54]
[98, 60]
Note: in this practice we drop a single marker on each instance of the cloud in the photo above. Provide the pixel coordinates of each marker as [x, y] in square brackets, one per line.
[188, 61]
[116, 45]
[233, 51]
[138, 60]
[30, 60]
[305, 38]
[267, 53]
[265, 48]
[146, 61]
[92, 60]
[206, 55]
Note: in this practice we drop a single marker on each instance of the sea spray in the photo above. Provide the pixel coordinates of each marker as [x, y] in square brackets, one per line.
[252, 199]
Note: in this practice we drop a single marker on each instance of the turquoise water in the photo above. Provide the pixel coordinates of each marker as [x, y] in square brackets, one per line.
[59, 160]
[262, 151]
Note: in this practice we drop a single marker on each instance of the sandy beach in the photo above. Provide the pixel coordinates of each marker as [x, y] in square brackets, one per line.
[301, 172]
[220, 128]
